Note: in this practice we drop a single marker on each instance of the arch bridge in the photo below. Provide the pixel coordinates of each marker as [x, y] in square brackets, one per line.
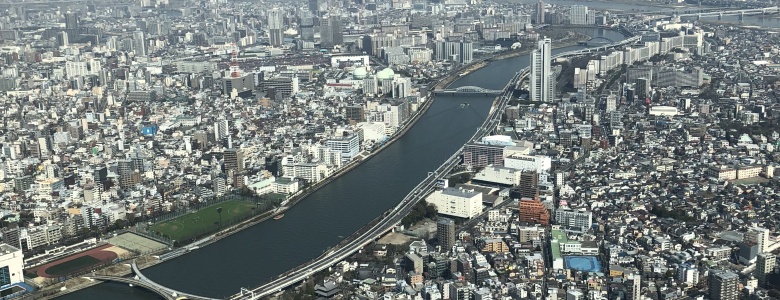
[468, 89]
[139, 280]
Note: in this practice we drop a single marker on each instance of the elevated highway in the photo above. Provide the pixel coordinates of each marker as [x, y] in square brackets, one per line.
[393, 217]
[140, 280]
[740, 12]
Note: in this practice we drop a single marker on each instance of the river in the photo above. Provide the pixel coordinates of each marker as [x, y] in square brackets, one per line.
[259, 253]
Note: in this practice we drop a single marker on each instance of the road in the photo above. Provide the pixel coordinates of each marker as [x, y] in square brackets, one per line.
[393, 217]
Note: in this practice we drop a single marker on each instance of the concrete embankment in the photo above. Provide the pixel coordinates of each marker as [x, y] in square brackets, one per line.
[79, 283]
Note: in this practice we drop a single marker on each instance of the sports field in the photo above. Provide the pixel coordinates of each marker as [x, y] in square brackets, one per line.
[73, 265]
[204, 221]
[82, 261]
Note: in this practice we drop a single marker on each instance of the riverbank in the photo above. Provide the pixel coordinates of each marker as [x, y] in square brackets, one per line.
[302, 218]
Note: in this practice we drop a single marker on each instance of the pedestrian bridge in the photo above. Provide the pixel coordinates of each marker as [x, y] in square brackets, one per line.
[468, 89]
[139, 280]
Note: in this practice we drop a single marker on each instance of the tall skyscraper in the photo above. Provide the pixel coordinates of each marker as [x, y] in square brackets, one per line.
[306, 27]
[139, 43]
[765, 264]
[276, 27]
[71, 20]
[541, 77]
[540, 12]
[330, 31]
[722, 285]
[578, 15]
[445, 232]
[314, 7]
[642, 88]
[466, 52]
[62, 39]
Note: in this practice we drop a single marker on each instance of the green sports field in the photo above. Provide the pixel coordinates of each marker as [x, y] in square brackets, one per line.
[204, 221]
[72, 266]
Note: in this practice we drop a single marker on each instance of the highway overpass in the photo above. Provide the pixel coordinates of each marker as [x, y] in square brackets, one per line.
[393, 217]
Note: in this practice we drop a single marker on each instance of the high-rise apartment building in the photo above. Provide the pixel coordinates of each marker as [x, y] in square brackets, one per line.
[722, 285]
[445, 232]
[540, 12]
[765, 265]
[578, 15]
[276, 27]
[634, 286]
[221, 130]
[533, 211]
[758, 236]
[541, 77]
[529, 184]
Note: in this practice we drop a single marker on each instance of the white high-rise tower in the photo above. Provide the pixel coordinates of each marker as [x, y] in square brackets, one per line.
[541, 86]
[276, 27]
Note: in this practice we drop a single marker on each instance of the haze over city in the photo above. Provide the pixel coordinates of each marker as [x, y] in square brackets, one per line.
[394, 150]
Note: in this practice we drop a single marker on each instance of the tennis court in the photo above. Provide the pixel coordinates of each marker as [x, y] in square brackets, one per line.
[136, 243]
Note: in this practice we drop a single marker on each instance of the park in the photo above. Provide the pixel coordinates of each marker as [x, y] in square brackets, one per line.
[204, 221]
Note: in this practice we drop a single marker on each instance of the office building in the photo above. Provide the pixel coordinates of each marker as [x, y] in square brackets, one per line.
[540, 12]
[445, 232]
[234, 160]
[71, 21]
[280, 87]
[314, 7]
[11, 264]
[306, 27]
[62, 39]
[276, 27]
[242, 84]
[139, 43]
[765, 265]
[642, 88]
[722, 285]
[348, 147]
[330, 31]
[534, 212]
[541, 82]
[455, 202]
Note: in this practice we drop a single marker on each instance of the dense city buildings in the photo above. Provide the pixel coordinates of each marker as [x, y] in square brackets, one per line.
[642, 168]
